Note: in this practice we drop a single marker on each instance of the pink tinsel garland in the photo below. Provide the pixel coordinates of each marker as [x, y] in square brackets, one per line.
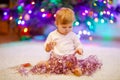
[89, 65]
[62, 65]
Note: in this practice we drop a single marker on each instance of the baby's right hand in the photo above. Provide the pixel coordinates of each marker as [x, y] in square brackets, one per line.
[50, 46]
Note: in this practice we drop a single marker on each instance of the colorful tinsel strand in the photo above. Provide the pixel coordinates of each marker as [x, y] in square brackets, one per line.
[64, 64]
[89, 65]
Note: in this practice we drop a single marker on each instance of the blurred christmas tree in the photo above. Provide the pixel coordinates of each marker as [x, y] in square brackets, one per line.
[36, 17]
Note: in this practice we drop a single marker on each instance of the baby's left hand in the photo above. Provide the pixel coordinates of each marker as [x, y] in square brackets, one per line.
[79, 51]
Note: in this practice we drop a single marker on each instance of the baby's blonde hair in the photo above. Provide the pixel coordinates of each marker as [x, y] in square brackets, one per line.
[64, 16]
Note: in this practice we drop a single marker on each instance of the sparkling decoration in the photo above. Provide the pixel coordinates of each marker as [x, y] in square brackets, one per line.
[41, 13]
[64, 65]
[90, 65]
[23, 71]
[27, 17]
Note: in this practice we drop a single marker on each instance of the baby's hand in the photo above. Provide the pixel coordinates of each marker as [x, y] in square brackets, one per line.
[79, 51]
[50, 46]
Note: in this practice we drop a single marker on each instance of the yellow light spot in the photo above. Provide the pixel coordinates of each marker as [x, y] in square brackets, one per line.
[25, 30]
[20, 17]
[95, 4]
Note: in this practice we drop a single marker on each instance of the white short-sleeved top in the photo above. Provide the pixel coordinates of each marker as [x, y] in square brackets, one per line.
[65, 44]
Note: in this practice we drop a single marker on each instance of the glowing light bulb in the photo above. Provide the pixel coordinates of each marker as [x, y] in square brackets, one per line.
[80, 32]
[86, 11]
[22, 22]
[25, 30]
[104, 2]
[29, 11]
[77, 23]
[42, 10]
[89, 23]
[20, 17]
[104, 12]
[102, 20]
[54, 15]
[49, 15]
[5, 13]
[84, 32]
[32, 2]
[43, 15]
[27, 17]
[111, 21]
[96, 19]
[101, 13]
[88, 33]
[83, 14]
[94, 4]
[112, 14]
[11, 18]
[108, 12]
[19, 21]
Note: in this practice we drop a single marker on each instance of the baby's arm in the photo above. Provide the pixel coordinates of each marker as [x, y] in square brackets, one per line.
[48, 44]
[78, 45]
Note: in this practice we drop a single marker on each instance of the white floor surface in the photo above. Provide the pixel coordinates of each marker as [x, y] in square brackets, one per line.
[16, 53]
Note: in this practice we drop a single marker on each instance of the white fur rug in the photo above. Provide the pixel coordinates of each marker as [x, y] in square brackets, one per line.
[13, 54]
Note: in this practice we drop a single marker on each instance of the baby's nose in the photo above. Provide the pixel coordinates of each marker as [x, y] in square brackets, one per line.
[67, 29]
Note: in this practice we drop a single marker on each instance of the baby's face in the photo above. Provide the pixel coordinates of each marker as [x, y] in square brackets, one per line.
[64, 28]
